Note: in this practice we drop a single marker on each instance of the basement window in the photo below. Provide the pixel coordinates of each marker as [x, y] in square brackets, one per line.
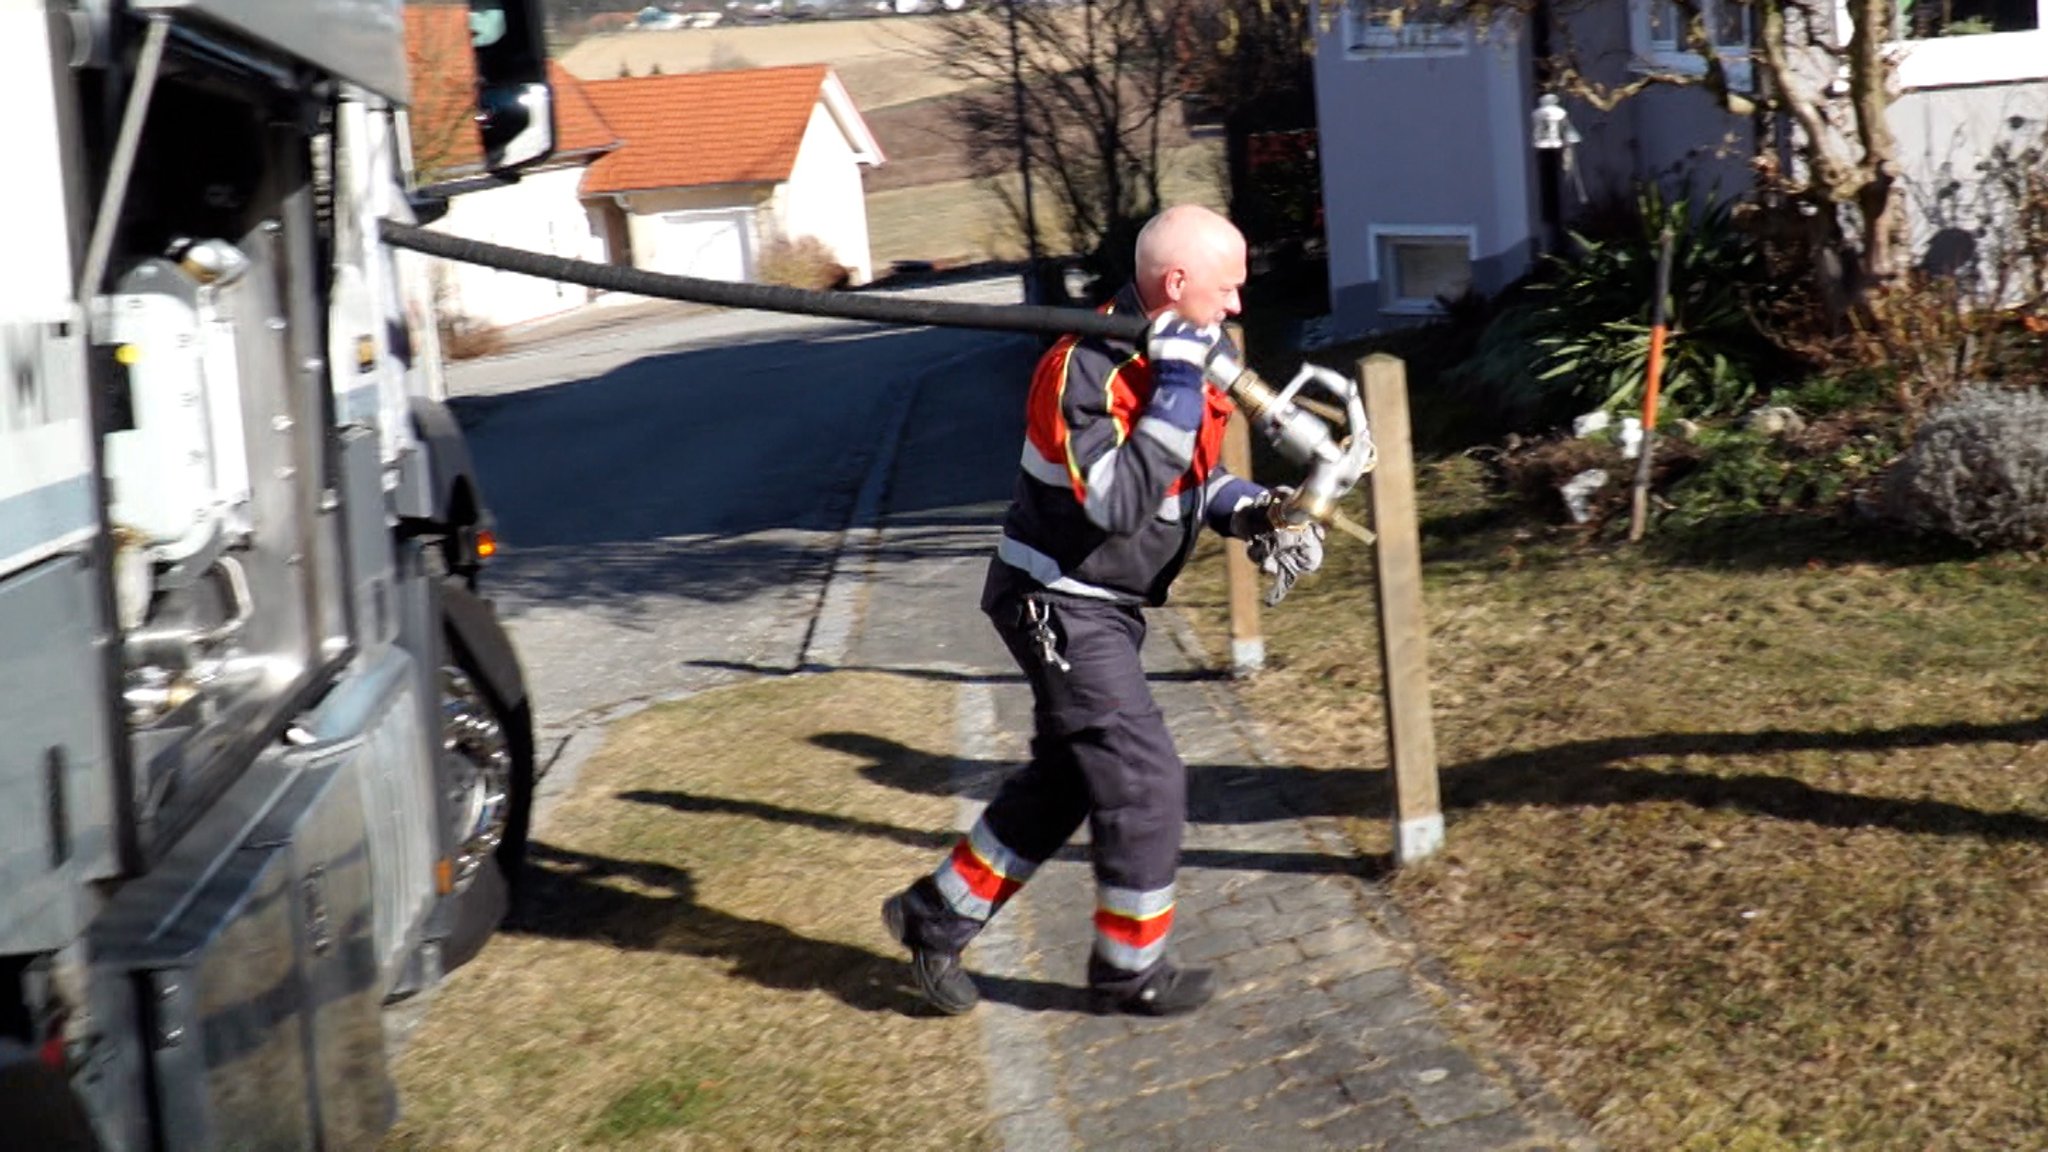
[1420, 267]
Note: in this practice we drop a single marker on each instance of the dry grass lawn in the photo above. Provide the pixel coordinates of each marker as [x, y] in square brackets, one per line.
[1748, 835]
[881, 62]
[966, 221]
[703, 964]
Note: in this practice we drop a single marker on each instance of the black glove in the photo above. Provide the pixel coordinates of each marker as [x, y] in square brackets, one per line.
[1256, 517]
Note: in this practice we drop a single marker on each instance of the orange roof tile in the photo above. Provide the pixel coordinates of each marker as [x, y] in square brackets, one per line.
[443, 109]
[578, 127]
[702, 128]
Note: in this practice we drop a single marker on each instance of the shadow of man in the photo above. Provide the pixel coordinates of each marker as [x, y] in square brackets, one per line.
[574, 895]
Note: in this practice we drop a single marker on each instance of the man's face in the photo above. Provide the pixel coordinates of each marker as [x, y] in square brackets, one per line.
[1204, 292]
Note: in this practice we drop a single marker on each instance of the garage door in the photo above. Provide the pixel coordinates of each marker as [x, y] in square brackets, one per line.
[711, 244]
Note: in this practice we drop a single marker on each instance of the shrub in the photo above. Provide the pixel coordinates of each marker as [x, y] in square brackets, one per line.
[804, 262]
[464, 338]
[1582, 338]
[1978, 470]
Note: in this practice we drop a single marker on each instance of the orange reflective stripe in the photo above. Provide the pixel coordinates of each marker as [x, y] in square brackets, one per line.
[982, 877]
[1120, 396]
[1134, 931]
[1045, 421]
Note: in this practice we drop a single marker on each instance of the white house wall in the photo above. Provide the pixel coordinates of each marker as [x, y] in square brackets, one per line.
[1943, 134]
[540, 213]
[825, 197]
[1422, 144]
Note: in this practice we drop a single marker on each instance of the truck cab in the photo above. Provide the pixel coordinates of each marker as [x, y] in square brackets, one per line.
[266, 753]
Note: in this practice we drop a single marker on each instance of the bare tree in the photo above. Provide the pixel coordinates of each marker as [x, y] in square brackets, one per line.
[1821, 100]
[1100, 85]
[1250, 65]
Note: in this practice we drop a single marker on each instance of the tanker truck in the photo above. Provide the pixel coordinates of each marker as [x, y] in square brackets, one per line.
[266, 756]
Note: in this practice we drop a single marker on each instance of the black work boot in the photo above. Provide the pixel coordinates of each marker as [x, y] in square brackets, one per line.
[939, 975]
[1167, 991]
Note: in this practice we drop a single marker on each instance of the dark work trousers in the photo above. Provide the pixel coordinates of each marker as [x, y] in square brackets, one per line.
[1100, 752]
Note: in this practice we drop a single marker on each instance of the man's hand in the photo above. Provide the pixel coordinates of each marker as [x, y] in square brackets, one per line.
[1177, 351]
[1286, 553]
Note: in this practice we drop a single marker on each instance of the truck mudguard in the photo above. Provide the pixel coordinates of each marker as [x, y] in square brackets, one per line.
[474, 623]
[451, 475]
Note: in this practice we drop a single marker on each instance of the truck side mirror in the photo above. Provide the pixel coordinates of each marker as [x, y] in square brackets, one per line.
[514, 102]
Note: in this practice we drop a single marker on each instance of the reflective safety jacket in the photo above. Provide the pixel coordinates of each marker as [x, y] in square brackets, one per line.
[1108, 500]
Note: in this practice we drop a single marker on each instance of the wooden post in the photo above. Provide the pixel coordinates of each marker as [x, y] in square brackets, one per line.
[1247, 644]
[1404, 638]
[1639, 498]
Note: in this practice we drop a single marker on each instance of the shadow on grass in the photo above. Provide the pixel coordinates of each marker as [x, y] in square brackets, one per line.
[946, 675]
[572, 895]
[1228, 860]
[1506, 533]
[1769, 542]
[1590, 773]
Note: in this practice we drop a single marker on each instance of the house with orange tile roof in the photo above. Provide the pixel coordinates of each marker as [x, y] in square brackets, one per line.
[542, 212]
[714, 168]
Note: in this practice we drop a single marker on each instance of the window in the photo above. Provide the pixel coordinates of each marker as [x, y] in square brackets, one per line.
[1927, 19]
[1420, 267]
[1398, 28]
[1658, 30]
[1727, 23]
[1955, 42]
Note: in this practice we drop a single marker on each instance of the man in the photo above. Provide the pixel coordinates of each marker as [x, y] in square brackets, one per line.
[1120, 470]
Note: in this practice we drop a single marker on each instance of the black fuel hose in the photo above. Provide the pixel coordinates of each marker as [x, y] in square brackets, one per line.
[1037, 319]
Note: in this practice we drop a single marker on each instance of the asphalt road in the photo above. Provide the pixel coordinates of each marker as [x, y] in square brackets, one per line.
[672, 491]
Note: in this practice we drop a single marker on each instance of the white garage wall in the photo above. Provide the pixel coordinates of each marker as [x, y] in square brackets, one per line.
[652, 217]
[825, 196]
[541, 213]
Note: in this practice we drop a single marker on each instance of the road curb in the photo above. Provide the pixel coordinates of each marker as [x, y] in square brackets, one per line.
[841, 601]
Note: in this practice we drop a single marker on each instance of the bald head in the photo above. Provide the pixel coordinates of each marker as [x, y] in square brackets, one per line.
[1191, 260]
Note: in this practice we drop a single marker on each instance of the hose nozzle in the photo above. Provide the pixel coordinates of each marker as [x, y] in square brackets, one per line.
[1334, 466]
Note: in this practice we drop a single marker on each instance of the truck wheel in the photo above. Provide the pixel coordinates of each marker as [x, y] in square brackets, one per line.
[487, 772]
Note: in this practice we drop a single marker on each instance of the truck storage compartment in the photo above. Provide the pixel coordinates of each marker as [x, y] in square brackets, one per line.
[57, 805]
[252, 952]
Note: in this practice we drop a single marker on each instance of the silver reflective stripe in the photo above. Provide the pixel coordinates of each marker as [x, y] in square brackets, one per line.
[1177, 506]
[959, 897]
[992, 854]
[1101, 482]
[1134, 903]
[1130, 904]
[1126, 957]
[1044, 471]
[45, 518]
[997, 855]
[1215, 486]
[1179, 441]
[1046, 571]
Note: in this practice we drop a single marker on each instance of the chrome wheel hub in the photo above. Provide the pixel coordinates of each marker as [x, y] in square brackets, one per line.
[476, 770]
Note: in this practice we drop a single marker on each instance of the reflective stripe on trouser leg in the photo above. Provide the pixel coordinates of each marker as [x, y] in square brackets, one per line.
[981, 873]
[1131, 926]
[1140, 790]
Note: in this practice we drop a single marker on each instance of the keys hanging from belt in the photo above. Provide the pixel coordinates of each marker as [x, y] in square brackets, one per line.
[1038, 614]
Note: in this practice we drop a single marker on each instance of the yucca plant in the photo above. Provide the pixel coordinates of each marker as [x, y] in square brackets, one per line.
[1582, 339]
